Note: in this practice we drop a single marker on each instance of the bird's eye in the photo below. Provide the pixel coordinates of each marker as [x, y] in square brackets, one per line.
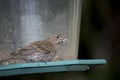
[57, 36]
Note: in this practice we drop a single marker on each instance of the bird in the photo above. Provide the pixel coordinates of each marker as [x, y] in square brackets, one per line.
[38, 51]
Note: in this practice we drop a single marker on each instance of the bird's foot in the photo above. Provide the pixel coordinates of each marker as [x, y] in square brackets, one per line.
[57, 58]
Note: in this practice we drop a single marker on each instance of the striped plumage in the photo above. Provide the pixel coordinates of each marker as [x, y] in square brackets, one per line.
[38, 51]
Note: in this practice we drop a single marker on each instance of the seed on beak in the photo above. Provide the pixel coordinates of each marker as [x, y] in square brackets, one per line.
[65, 41]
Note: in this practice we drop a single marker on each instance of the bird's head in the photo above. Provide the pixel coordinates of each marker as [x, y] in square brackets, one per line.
[57, 39]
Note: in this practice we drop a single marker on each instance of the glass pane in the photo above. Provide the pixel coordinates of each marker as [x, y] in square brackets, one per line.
[25, 21]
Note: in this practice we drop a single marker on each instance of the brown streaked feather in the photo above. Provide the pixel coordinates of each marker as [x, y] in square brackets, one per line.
[38, 51]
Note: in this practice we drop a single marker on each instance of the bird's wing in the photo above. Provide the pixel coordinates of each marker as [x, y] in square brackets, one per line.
[23, 49]
[44, 46]
[37, 45]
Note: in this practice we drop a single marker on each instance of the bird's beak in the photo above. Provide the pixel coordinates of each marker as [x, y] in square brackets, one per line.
[65, 41]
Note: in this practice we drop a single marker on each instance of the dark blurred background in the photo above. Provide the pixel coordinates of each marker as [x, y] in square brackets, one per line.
[99, 38]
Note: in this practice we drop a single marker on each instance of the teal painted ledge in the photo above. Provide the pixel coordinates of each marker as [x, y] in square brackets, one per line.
[58, 66]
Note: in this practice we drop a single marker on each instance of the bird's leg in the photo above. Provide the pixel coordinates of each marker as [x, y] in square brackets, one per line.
[44, 62]
[57, 58]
